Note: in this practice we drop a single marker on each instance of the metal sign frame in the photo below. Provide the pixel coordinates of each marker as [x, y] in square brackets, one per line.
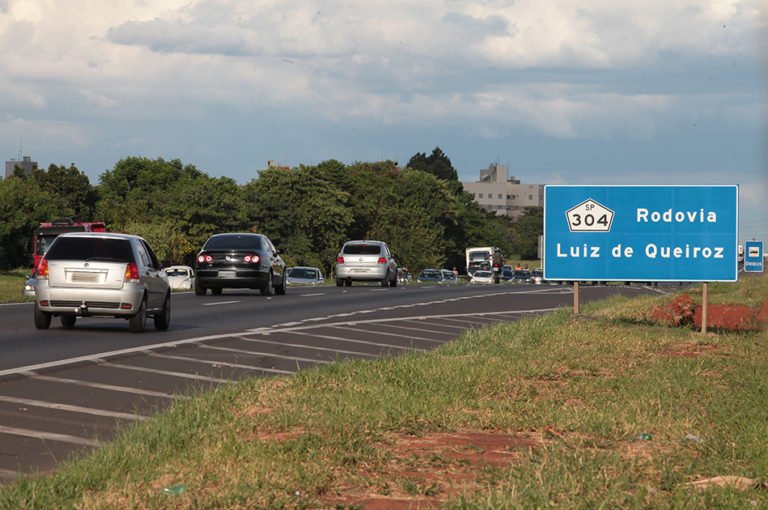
[641, 233]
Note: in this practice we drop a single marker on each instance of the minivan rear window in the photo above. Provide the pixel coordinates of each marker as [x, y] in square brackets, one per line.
[362, 249]
[233, 242]
[90, 248]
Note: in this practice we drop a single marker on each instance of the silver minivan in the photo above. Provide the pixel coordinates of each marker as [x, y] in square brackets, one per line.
[98, 274]
[366, 261]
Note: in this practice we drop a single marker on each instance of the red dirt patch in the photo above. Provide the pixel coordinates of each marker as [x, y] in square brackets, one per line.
[439, 466]
[682, 311]
[729, 317]
[762, 314]
[677, 313]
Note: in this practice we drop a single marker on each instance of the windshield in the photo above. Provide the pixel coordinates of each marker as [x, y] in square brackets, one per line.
[482, 274]
[91, 248]
[43, 243]
[234, 242]
[177, 272]
[299, 272]
[362, 249]
[479, 255]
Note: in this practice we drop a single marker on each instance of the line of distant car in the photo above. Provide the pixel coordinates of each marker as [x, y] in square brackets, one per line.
[104, 274]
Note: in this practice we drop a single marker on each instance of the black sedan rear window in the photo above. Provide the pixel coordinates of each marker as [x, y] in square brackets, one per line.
[233, 242]
[90, 248]
[362, 249]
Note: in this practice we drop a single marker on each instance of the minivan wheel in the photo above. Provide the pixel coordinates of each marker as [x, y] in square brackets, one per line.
[68, 321]
[138, 322]
[163, 319]
[42, 319]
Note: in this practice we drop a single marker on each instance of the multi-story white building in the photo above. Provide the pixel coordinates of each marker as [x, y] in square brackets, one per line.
[497, 192]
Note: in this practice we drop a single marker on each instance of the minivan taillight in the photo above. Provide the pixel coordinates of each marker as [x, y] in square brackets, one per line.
[382, 260]
[339, 260]
[42, 270]
[131, 272]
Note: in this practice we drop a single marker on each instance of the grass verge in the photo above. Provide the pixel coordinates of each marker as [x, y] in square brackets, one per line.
[600, 410]
[11, 284]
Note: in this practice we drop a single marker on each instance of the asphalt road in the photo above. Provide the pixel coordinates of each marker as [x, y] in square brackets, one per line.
[65, 391]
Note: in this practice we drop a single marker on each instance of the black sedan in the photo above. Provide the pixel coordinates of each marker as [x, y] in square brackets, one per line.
[239, 261]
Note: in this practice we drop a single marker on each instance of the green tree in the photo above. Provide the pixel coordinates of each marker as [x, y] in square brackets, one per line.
[437, 164]
[23, 206]
[526, 231]
[302, 212]
[72, 186]
[171, 196]
[167, 240]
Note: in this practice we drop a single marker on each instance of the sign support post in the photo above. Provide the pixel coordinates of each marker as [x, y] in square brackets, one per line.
[704, 296]
[576, 298]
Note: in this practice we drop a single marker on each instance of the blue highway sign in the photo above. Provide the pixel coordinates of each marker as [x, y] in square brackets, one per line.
[641, 233]
[753, 256]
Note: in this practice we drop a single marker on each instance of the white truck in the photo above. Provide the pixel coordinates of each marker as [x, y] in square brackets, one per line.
[478, 257]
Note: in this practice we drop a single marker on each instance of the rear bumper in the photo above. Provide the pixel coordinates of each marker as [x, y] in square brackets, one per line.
[211, 279]
[86, 302]
[344, 272]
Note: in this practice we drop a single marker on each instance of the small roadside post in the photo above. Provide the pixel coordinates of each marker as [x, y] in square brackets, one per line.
[645, 234]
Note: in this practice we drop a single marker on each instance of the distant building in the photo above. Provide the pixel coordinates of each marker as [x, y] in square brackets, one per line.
[272, 164]
[496, 192]
[26, 164]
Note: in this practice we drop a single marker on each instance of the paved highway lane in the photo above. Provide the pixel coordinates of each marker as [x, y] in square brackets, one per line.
[63, 391]
[197, 316]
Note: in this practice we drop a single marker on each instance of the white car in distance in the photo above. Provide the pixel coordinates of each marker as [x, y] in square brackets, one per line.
[481, 277]
[180, 277]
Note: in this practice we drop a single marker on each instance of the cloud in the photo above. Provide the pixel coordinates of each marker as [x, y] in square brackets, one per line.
[484, 70]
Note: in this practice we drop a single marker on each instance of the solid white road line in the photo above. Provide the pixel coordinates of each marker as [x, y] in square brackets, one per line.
[166, 372]
[465, 321]
[7, 474]
[305, 346]
[265, 354]
[100, 386]
[219, 363]
[362, 342]
[48, 436]
[423, 330]
[407, 337]
[73, 409]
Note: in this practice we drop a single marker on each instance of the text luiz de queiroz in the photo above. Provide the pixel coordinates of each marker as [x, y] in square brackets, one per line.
[653, 250]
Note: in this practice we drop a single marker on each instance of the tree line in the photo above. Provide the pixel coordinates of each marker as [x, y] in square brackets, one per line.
[421, 210]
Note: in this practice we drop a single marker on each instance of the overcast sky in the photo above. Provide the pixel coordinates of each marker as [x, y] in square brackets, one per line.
[564, 92]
